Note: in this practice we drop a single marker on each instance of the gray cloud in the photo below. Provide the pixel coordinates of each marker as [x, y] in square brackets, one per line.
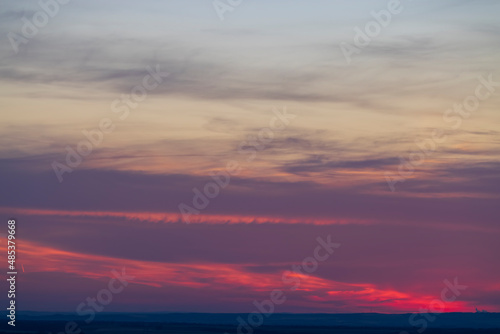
[317, 164]
[107, 190]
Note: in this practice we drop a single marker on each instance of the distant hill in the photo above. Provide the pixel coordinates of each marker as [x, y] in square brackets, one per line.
[444, 320]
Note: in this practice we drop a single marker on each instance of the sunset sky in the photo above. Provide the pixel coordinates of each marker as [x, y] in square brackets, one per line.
[342, 163]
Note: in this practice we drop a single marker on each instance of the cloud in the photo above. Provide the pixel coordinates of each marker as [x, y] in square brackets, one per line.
[242, 262]
[476, 179]
[317, 164]
[108, 190]
[15, 15]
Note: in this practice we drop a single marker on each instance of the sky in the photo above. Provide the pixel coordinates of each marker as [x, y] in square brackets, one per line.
[294, 120]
